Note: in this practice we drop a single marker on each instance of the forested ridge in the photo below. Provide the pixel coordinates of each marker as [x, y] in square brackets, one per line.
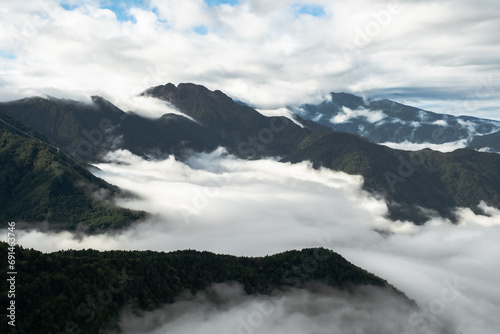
[38, 183]
[85, 291]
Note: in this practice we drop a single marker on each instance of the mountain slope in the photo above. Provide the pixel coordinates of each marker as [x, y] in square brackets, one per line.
[490, 142]
[87, 131]
[38, 184]
[388, 121]
[243, 130]
[68, 288]
[410, 181]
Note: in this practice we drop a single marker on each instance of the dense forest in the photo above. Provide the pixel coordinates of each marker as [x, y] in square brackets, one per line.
[38, 183]
[86, 291]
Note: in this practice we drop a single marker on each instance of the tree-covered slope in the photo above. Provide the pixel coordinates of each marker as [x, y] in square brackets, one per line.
[40, 184]
[86, 131]
[87, 290]
[410, 180]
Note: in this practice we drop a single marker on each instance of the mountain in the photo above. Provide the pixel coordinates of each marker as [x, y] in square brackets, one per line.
[411, 182]
[416, 185]
[86, 131]
[488, 143]
[40, 184]
[242, 129]
[384, 121]
[86, 291]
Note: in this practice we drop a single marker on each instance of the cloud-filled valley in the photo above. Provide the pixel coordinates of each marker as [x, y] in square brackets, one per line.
[216, 202]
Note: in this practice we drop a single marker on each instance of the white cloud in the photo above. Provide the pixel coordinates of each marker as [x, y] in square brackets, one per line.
[148, 107]
[259, 52]
[285, 112]
[440, 123]
[372, 116]
[225, 308]
[218, 203]
[445, 147]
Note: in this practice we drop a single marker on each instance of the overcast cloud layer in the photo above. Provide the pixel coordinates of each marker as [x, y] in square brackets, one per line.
[437, 55]
[226, 205]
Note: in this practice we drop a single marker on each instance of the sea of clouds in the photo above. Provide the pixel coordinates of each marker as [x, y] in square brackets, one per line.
[217, 202]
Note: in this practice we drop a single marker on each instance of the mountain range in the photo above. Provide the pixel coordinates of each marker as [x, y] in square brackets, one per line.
[416, 185]
[386, 121]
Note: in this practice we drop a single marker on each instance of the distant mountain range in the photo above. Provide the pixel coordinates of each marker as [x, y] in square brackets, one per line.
[415, 184]
[385, 121]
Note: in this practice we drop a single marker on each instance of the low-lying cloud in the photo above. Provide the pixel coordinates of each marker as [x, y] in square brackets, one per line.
[216, 202]
[226, 309]
[372, 116]
[444, 147]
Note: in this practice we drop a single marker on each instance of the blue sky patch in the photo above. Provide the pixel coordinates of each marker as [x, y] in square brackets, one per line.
[214, 3]
[314, 10]
[200, 30]
[6, 55]
[119, 7]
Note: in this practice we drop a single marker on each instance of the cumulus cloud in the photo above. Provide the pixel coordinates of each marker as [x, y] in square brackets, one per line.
[218, 203]
[271, 54]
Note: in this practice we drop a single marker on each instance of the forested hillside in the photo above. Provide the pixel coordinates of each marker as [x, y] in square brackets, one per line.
[87, 290]
[40, 184]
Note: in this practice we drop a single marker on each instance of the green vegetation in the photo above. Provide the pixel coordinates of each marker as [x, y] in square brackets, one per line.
[410, 180]
[39, 184]
[89, 289]
[86, 131]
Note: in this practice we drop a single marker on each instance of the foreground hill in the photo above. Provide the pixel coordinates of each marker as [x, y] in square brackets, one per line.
[40, 184]
[86, 291]
[416, 185]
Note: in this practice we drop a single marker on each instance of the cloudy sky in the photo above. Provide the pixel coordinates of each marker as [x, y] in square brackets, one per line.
[438, 55]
